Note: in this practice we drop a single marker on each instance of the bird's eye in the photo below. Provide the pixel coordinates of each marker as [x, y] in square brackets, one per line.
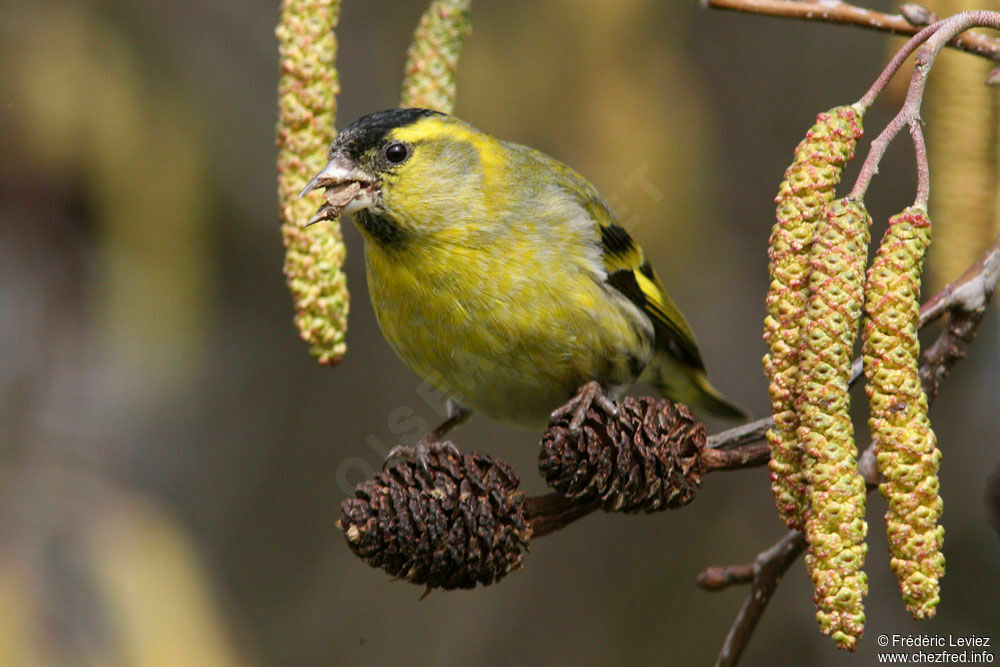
[397, 152]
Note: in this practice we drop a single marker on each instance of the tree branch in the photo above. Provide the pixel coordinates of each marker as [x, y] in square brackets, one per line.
[551, 512]
[720, 577]
[768, 569]
[971, 291]
[749, 455]
[909, 113]
[971, 294]
[847, 14]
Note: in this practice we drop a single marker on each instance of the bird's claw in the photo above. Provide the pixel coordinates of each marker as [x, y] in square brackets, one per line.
[421, 452]
[590, 394]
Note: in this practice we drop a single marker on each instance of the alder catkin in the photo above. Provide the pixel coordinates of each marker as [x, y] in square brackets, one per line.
[431, 61]
[835, 527]
[905, 445]
[314, 256]
[808, 187]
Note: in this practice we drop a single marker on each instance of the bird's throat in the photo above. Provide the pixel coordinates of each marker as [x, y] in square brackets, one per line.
[382, 230]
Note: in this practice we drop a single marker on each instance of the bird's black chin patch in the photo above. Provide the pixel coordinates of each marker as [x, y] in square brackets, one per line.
[382, 229]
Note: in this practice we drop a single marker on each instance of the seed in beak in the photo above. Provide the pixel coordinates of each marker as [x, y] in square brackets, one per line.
[337, 197]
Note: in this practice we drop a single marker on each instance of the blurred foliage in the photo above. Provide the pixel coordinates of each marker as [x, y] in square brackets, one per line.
[172, 460]
[94, 118]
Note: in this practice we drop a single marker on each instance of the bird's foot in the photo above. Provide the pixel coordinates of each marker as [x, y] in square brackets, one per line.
[590, 394]
[421, 451]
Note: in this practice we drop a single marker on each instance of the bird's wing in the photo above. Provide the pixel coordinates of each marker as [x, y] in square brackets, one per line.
[626, 266]
[630, 273]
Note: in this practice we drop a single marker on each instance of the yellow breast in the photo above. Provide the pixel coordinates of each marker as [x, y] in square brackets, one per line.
[510, 326]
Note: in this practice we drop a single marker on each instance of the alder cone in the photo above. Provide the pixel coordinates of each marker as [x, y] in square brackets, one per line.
[459, 523]
[644, 459]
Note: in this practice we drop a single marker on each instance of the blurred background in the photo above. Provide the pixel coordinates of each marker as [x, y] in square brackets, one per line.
[172, 460]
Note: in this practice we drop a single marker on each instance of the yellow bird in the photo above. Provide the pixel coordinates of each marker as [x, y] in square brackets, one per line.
[500, 275]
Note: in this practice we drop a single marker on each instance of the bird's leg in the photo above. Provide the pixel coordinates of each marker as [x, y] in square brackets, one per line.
[457, 414]
[431, 443]
[589, 394]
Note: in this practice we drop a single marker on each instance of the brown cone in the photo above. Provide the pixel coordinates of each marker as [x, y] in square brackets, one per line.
[644, 459]
[460, 523]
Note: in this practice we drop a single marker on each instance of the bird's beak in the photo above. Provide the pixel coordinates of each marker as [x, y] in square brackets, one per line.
[348, 188]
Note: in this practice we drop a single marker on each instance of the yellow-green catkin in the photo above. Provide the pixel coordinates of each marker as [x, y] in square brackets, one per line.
[905, 446]
[835, 527]
[431, 61]
[808, 186]
[306, 112]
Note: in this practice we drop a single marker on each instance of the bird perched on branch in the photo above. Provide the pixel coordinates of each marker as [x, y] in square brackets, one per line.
[500, 275]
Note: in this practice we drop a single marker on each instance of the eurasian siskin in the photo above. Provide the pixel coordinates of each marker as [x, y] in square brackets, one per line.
[500, 275]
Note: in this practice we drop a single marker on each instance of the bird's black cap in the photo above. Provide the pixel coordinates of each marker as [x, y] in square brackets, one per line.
[369, 131]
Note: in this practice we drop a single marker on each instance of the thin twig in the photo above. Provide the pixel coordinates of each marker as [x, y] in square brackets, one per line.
[847, 14]
[720, 577]
[740, 435]
[910, 111]
[952, 344]
[971, 291]
[923, 166]
[749, 455]
[769, 567]
[743, 435]
[894, 64]
[551, 512]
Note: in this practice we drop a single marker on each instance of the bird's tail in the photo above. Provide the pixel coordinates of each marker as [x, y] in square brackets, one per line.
[688, 385]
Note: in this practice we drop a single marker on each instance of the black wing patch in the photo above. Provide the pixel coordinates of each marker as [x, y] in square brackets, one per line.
[616, 241]
[667, 334]
[647, 271]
